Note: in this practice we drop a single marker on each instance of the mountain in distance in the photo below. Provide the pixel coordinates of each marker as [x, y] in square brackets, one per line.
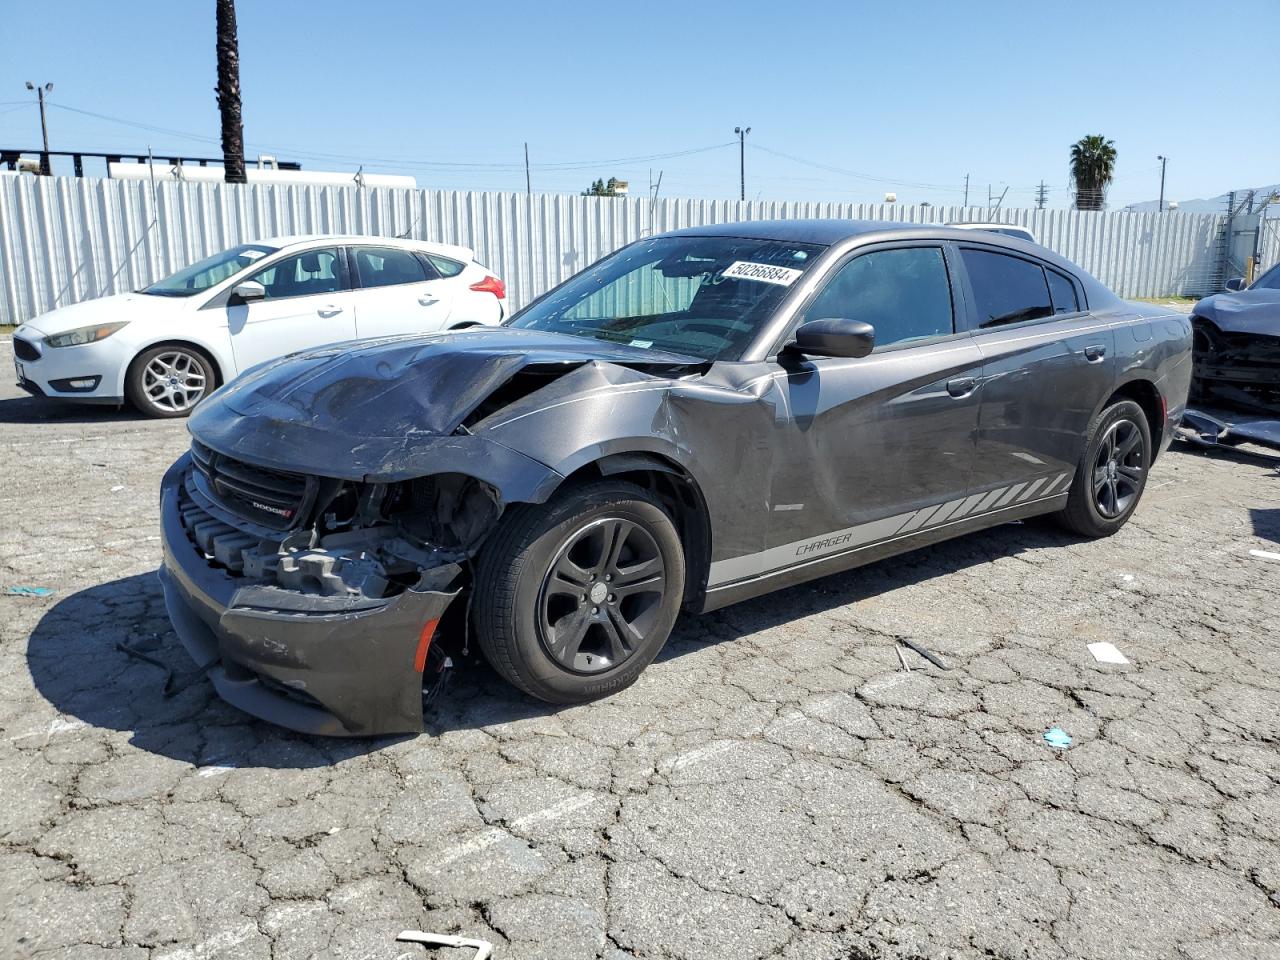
[1212, 205]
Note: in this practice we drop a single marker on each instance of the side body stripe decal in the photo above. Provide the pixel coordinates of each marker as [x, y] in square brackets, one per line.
[851, 538]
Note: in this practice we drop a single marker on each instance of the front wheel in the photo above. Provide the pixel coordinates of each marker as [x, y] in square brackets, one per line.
[169, 380]
[575, 597]
[1112, 473]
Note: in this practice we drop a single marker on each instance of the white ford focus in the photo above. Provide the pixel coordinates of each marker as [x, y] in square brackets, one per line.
[168, 345]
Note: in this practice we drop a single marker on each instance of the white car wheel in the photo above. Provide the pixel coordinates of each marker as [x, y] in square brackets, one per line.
[169, 381]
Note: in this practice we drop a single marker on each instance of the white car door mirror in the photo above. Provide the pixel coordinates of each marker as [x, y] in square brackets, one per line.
[247, 291]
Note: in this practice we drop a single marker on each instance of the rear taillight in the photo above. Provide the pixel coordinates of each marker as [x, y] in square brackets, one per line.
[491, 285]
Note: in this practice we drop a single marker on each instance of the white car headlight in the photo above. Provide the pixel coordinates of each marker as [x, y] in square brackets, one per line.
[73, 338]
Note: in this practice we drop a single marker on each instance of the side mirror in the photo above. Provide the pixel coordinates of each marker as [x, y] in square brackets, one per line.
[835, 337]
[1236, 284]
[247, 291]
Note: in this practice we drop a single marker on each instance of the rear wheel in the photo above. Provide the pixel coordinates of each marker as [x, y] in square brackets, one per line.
[1112, 473]
[169, 380]
[575, 597]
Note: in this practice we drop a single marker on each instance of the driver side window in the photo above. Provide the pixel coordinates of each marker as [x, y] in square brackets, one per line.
[904, 294]
[304, 275]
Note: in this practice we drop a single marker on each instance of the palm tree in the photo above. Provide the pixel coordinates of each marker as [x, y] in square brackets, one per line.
[1093, 167]
[228, 90]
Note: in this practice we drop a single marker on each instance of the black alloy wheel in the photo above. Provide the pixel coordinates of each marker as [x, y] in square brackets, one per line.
[1112, 473]
[575, 597]
[602, 595]
[1119, 469]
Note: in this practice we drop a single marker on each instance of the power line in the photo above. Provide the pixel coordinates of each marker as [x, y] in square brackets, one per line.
[856, 174]
[505, 166]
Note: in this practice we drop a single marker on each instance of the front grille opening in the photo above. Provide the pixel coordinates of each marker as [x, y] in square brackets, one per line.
[25, 351]
[273, 498]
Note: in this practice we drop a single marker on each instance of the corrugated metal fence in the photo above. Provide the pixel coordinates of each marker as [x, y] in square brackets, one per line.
[65, 239]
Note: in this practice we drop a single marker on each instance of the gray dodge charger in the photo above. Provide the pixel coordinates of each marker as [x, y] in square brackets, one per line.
[696, 419]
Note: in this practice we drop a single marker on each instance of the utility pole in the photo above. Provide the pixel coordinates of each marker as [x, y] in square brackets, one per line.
[966, 190]
[1163, 161]
[44, 126]
[528, 183]
[1042, 195]
[991, 211]
[742, 160]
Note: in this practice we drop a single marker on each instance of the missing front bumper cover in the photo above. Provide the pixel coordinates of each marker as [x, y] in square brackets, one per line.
[337, 665]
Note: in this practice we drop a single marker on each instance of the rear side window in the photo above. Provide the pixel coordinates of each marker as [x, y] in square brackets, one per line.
[387, 267]
[1063, 292]
[905, 294]
[1007, 289]
[447, 267]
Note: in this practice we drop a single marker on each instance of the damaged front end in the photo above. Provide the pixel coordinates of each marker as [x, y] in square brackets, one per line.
[317, 600]
[1235, 387]
[1236, 369]
[322, 524]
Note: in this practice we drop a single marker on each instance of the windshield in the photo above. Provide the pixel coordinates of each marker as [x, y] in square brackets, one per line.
[191, 280]
[1268, 281]
[704, 297]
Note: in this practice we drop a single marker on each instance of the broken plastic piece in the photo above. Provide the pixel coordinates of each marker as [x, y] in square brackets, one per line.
[483, 948]
[24, 591]
[1105, 652]
[1057, 737]
[925, 652]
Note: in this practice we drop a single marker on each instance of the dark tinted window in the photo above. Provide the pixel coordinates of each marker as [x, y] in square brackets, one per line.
[1007, 289]
[304, 275]
[386, 267]
[447, 267]
[904, 294]
[1063, 292]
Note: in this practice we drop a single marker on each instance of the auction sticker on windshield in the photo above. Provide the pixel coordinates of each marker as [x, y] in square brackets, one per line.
[765, 272]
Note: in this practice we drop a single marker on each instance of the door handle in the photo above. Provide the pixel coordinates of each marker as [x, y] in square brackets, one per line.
[962, 386]
[329, 310]
[427, 300]
[1095, 352]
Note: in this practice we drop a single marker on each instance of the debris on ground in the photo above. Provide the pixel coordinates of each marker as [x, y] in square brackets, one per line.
[1058, 738]
[925, 652]
[483, 948]
[24, 591]
[1105, 652]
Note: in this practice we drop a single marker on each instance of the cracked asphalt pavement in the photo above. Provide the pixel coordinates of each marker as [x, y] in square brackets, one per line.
[775, 785]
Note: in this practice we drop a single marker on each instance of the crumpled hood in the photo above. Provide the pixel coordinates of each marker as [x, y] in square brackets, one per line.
[1249, 311]
[360, 409]
[120, 306]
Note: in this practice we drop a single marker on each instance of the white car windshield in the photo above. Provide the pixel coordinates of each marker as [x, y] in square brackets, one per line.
[191, 280]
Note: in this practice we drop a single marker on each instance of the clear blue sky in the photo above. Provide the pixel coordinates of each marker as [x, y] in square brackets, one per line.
[911, 91]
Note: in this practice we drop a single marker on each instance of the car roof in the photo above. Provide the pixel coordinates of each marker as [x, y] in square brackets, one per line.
[833, 232]
[830, 231]
[822, 231]
[443, 249]
[988, 225]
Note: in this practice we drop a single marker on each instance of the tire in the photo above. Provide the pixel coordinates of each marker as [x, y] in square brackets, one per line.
[189, 374]
[545, 580]
[1112, 474]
